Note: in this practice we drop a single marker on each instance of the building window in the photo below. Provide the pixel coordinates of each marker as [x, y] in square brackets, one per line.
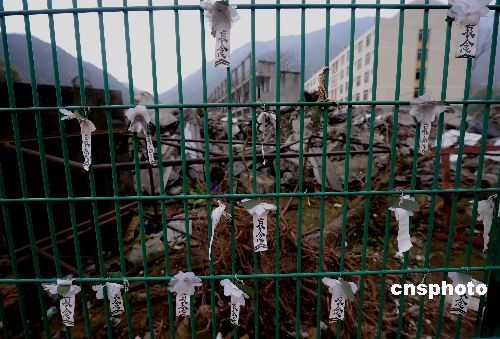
[341, 89]
[419, 54]
[358, 80]
[357, 97]
[265, 84]
[359, 62]
[367, 58]
[360, 46]
[342, 60]
[335, 67]
[365, 94]
[367, 77]
[342, 74]
[368, 40]
[346, 86]
[415, 92]
[417, 74]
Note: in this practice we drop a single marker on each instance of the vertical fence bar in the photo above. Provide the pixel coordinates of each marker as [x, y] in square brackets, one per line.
[183, 156]
[484, 137]
[456, 184]
[254, 167]
[368, 186]
[208, 187]
[8, 232]
[435, 178]
[277, 257]
[413, 182]
[491, 326]
[345, 202]
[392, 166]
[22, 172]
[171, 316]
[323, 171]
[95, 211]
[114, 175]
[301, 167]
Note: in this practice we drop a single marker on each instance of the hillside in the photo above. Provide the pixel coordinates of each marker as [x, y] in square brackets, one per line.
[44, 71]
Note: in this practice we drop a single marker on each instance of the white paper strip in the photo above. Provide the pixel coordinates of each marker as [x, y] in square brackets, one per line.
[260, 233]
[116, 304]
[67, 301]
[485, 213]
[425, 132]
[87, 150]
[114, 296]
[337, 308]
[67, 305]
[460, 303]
[339, 295]
[467, 41]
[182, 305]
[237, 299]
[151, 150]
[403, 218]
[235, 311]
[217, 214]
[222, 48]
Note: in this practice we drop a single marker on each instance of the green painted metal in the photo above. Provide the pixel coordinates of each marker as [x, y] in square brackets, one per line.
[490, 268]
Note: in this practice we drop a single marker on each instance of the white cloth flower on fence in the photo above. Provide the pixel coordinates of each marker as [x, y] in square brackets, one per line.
[114, 296]
[341, 291]
[86, 128]
[237, 299]
[259, 211]
[183, 285]
[468, 13]
[67, 291]
[139, 121]
[425, 110]
[221, 17]
[217, 214]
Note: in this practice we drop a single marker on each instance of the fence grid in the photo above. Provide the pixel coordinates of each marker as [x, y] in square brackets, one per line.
[25, 201]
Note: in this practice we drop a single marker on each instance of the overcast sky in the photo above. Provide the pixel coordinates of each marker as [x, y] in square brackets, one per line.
[164, 34]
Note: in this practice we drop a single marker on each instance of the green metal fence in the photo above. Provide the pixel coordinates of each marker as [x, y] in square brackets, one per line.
[489, 269]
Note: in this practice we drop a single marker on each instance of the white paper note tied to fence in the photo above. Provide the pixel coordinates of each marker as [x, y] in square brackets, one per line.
[341, 291]
[468, 13]
[460, 302]
[221, 17]
[86, 129]
[237, 299]
[183, 285]
[425, 110]
[259, 211]
[66, 291]
[403, 207]
[139, 121]
[114, 296]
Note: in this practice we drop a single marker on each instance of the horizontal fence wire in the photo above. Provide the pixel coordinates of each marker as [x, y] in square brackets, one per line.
[51, 202]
